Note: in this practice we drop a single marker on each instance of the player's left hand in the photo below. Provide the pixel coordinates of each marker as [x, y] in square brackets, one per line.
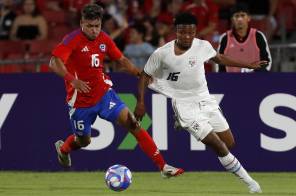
[257, 64]
[139, 111]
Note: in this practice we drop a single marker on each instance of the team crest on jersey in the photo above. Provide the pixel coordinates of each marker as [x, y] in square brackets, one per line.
[192, 61]
[102, 47]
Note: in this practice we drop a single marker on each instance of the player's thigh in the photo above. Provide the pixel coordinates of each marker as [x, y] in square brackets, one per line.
[190, 117]
[221, 127]
[81, 120]
[110, 106]
[216, 117]
[113, 109]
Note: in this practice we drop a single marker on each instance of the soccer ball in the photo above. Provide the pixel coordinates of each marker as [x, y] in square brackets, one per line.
[118, 177]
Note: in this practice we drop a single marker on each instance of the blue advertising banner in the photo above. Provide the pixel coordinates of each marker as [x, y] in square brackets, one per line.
[260, 109]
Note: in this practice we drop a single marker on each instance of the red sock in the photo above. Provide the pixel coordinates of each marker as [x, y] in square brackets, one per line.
[149, 147]
[69, 145]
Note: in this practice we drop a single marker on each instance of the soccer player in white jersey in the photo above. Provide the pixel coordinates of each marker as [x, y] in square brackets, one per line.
[177, 71]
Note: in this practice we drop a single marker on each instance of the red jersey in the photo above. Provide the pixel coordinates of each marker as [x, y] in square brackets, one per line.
[84, 59]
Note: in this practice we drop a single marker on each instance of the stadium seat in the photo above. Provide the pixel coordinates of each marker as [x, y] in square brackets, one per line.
[58, 32]
[285, 14]
[223, 26]
[55, 17]
[41, 48]
[10, 67]
[261, 25]
[12, 47]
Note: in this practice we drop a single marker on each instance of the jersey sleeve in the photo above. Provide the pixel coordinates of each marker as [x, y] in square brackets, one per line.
[221, 49]
[64, 49]
[112, 50]
[153, 63]
[210, 52]
[264, 51]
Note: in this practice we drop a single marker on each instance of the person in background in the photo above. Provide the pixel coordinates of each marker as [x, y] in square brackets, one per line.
[263, 12]
[30, 25]
[138, 51]
[206, 12]
[7, 17]
[243, 42]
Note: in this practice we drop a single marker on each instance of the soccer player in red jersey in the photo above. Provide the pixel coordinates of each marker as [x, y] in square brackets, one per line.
[79, 60]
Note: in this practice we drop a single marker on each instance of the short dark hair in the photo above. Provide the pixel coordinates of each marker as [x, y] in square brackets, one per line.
[240, 7]
[185, 19]
[140, 28]
[92, 12]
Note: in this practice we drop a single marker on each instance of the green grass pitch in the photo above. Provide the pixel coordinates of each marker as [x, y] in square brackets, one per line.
[144, 184]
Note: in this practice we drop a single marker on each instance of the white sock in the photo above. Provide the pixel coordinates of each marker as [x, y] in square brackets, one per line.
[231, 164]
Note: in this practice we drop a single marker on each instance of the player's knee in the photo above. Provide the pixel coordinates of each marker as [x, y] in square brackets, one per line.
[133, 124]
[83, 142]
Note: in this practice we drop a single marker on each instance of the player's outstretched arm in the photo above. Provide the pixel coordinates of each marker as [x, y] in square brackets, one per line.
[142, 85]
[57, 65]
[223, 59]
[127, 66]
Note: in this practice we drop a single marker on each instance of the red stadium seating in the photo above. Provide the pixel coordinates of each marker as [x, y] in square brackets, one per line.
[41, 48]
[55, 17]
[12, 47]
[285, 13]
[58, 32]
[223, 26]
[261, 25]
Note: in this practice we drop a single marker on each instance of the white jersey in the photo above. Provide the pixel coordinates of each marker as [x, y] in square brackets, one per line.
[180, 76]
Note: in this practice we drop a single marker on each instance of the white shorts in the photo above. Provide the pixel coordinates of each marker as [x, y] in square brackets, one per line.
[199, 118]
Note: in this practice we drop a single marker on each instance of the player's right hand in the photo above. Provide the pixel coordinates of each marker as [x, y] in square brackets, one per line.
[81, 86]
[139, 111]
[257, 64]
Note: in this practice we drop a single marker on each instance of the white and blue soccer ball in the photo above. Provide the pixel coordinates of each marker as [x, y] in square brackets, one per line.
[118, 177]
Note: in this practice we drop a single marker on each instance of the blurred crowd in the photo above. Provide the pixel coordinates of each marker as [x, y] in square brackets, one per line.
[137, 26]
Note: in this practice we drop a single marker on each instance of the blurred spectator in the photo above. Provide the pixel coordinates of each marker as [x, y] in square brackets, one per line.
[138, 51]
[76, 5]
[135, 11]
[206, 13]
[224, 8]
[165, 32]
[169, 10]
[115, 31]
[74, 8]
[112, 28]
[263, 13]
[7, 17]
[151, 35]
[244, 43]
[52, 5]
[30, 25]
[117, 9]
[152, 8]
[286, 18]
